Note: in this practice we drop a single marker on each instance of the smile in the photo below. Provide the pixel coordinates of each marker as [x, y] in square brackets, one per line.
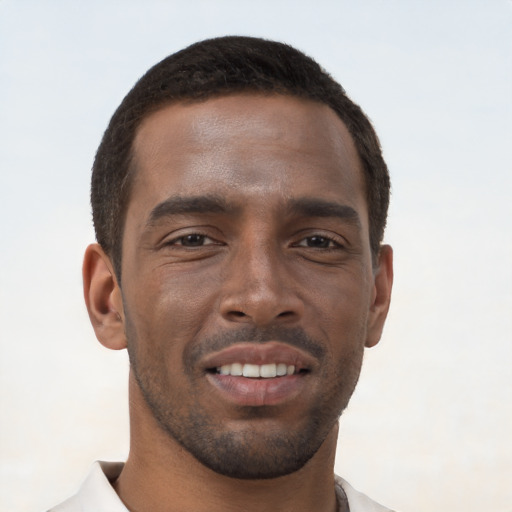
[256, 371]
[258, 374]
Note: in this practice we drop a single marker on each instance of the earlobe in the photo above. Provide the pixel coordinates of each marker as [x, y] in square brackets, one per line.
[103, 298]
[381, 298]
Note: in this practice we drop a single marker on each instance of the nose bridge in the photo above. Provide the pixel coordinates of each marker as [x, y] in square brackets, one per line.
[260, 264]
[258, 287]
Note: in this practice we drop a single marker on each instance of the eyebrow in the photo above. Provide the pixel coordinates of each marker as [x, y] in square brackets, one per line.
[311, 207]
[178, 205]
[207, 204]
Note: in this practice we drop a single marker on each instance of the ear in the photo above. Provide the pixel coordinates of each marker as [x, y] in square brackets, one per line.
[381, 297]
[103, 298]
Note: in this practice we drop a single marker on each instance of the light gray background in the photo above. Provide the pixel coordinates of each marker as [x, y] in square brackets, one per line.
[429, 425]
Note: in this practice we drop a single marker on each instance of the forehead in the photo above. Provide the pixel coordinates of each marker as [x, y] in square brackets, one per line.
[245, 146]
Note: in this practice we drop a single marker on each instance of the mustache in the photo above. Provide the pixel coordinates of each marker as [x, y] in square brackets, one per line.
[293, 336]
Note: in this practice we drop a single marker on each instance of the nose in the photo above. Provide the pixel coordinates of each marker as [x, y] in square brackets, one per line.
[260, 289]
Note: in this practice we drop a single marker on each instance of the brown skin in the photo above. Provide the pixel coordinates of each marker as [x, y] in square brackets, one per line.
[258, 266]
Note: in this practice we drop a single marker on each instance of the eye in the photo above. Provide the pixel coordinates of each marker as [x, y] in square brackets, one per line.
[319, 242]
[192, 240]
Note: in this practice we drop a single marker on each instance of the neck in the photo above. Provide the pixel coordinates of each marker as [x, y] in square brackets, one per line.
[160, 475]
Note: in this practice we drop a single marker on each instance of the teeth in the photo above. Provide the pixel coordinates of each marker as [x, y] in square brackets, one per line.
[267, 371]
[281, 369]
[255, 371]
[236, 369]
[251, 370]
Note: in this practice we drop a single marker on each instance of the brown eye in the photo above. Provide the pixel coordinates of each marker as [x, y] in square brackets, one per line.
[319, 242]
[193, 240]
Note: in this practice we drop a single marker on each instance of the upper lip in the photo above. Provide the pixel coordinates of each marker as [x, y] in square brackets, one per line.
[259, 353]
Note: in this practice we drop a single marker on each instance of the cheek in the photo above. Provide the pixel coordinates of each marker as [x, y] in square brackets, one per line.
[339, 314]
[338, 302]
[167, 310]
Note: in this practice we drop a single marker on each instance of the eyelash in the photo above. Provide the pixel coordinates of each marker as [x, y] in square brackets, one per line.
[325, 242]
[201, 236]
[332, 243]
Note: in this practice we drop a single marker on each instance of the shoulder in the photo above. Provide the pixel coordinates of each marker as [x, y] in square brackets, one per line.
[70, 505]
[357, 501]
[96, 493]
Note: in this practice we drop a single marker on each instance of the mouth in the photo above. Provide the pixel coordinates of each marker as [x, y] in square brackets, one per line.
[249, 374]
[257, 371]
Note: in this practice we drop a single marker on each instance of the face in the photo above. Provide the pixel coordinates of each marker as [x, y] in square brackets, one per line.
[248, 289]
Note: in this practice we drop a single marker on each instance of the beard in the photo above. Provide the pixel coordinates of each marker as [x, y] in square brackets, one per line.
[251, 449]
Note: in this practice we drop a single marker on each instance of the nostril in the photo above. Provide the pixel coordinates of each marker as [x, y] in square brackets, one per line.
[285, 314]
[237, 316]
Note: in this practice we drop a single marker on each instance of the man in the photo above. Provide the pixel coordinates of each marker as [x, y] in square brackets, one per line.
[239, 200]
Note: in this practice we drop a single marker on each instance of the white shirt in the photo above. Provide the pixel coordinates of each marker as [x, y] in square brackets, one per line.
[98, 495]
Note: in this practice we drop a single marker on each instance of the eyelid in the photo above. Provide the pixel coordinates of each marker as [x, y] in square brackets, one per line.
[174, 240]
[336, 239]
[332, 243]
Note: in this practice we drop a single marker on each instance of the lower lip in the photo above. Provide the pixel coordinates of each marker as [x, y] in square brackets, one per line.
[257, 392]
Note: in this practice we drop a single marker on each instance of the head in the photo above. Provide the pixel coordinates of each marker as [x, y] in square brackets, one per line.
[220, 67]
[240, 259]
